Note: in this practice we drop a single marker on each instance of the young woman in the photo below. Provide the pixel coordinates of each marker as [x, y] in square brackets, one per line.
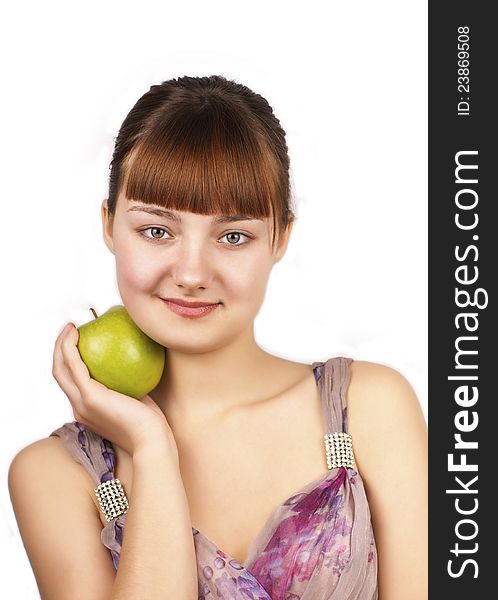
[234, 490]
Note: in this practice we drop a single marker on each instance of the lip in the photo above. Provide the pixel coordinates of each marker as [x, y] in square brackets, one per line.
[189, 304]
[191, 310]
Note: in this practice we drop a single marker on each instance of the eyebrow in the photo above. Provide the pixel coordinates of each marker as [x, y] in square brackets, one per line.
[161, 212]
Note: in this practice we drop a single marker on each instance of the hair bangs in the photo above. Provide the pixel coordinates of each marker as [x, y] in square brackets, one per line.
[206, 162]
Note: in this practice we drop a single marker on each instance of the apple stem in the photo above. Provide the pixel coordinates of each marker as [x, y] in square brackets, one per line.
[95, 316]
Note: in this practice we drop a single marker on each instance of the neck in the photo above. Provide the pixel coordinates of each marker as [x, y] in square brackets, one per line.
[197, 388]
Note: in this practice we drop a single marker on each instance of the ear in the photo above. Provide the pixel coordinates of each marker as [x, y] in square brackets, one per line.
[283, 241]
[107, 222]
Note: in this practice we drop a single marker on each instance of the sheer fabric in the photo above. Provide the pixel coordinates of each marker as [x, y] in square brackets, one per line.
[317, 545]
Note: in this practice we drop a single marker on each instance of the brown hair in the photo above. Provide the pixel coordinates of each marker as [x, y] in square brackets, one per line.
[207, 145]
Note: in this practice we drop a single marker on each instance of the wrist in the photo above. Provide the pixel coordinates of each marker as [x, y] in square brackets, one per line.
[156, 447]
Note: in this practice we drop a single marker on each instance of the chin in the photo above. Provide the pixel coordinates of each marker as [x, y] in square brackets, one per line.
[190, 349]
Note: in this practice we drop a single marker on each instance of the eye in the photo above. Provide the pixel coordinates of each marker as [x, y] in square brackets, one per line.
[153, 229]
[230, 235]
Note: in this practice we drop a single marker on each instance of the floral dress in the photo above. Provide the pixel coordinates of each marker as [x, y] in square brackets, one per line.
[316, 545]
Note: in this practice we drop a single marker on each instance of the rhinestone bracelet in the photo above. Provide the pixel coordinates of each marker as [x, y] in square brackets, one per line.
[339, 450]
[112, 499]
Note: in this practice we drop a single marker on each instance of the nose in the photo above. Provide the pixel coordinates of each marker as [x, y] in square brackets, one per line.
[192, 266]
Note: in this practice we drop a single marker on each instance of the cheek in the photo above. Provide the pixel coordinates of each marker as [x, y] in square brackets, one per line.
[247, 282]
[132, 271]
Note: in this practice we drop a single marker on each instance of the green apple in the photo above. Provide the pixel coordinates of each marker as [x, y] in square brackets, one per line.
[119, 354]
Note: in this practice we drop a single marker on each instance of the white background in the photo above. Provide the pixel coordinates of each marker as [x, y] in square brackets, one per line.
[348, 81]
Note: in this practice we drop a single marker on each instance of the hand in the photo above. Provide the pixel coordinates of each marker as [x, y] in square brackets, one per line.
[126, 421]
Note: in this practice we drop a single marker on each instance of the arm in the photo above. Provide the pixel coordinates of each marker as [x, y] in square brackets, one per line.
[60, 528]
[157, 557]
[390, 440]
[58, 523]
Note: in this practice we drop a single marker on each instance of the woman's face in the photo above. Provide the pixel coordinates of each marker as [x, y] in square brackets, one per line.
[192, 257]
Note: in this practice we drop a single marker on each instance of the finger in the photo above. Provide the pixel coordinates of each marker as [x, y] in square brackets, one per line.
[60, 371]
[72, 359]
[58, 356]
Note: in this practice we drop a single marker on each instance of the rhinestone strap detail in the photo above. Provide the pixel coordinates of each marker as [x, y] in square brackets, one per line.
[112, 499]
[339, 450]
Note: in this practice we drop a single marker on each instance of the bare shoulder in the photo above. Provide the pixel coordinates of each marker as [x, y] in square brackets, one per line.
[44, 447]
[384, 414]
[58, 522]
[48, 462]
[379, 393]
[375, 381]
[390, 444]
[50, 457]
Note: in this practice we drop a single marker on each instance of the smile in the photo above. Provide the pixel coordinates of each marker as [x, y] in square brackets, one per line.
[190, 312]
